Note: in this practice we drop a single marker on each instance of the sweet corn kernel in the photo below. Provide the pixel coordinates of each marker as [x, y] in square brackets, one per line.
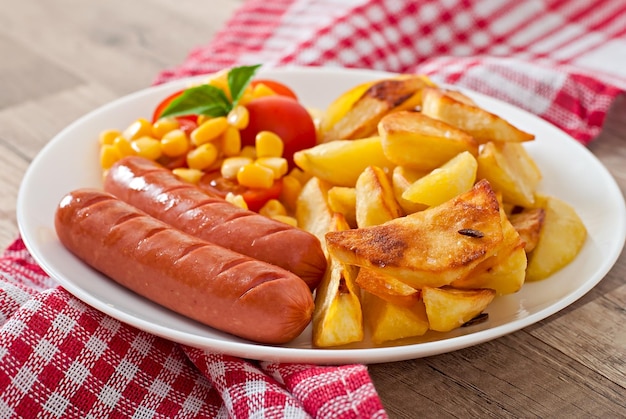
[202, 119]
[231, 165]
[236, 200]
[202, 157]
[147, 147]
[260, 90]
[109, 154]
[139, 128]
[278, 165]
[239, 117]
[286, 219]
[246, 97]
[290, 191]
[248, 151]
[273, 207]
[268, 144]
[231, 142]
[175, 143]
[209, 130]
[217, 165]
[300, 175]
[188, 175]
[107, 136]
[163, 126]
[123, 146]
[255, 176]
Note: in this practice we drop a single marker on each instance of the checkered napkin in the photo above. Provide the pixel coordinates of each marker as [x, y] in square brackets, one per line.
[60, 358]
[562, 60]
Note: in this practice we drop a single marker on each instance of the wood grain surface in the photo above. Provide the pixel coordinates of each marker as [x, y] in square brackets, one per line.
[64, 58]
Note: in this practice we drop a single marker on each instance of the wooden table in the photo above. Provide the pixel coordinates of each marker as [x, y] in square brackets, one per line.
[63, 59]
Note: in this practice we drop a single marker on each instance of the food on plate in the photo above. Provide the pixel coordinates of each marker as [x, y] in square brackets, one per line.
[335, 161]
[360, 118]
[433, 247]
[312, 210]
[157, 191]
[425, 205]
[505, 271]
[482, 125]
[453, 178]
[528, 222]
[239, 132]
[375, 202]
[388, 321]
[413, 140]
[560, 240]
[449, 308]
[203, 281]
[389, 288]
[338, 318]
[511, 170]
[270, 113]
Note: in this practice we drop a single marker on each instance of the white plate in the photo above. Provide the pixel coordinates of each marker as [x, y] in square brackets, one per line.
[571, 172]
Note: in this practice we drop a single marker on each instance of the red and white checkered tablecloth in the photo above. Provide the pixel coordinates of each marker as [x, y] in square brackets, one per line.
[562, 60]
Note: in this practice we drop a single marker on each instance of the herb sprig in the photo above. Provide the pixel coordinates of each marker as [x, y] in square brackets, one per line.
[210, 100]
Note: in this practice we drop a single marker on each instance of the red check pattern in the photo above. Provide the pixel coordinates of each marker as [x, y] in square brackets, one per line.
[60, 358]
[562, 60]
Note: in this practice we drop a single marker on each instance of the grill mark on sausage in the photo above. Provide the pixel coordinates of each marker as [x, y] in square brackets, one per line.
[265, 278]
[126, 218]
[190, 249]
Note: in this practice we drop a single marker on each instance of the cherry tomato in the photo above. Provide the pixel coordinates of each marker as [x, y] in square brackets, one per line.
[277, 87]
[286, 118]
[214, 183]
[165, 102]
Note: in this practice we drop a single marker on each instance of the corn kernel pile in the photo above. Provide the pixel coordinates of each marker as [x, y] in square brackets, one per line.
[213, 145]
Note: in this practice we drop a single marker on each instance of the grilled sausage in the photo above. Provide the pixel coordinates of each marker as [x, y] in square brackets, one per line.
[201, 280]
[157, 191]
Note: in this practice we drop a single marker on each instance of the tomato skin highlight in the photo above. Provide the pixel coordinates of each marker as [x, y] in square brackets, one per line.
[214, 183]
[278, 87]
[284, 117]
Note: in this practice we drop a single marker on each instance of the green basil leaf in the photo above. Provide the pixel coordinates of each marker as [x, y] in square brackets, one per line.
[238, 79]
[200, 100]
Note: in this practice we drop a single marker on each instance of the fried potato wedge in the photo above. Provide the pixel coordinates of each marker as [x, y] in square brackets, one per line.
[444, 183]
[562, 236]
[342, 199]
[375, 200]
[504, 272]
[510, 170]
[479, 123]
[416, 141]
[339, 107]
[433, 247]
[387, 321]
[378, 100]
[401, 179]
[312, 211]
[387, 287]
[337, 318]
[528, 223]
[449, 308]
[335, 162]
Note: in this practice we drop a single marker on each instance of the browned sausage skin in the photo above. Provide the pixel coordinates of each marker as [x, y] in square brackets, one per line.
[157, 191]
[201, 280]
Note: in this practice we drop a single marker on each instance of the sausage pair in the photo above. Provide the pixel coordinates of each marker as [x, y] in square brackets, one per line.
[201, 280]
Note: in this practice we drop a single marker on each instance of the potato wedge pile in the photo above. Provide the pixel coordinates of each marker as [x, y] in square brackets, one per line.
[428, 208]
